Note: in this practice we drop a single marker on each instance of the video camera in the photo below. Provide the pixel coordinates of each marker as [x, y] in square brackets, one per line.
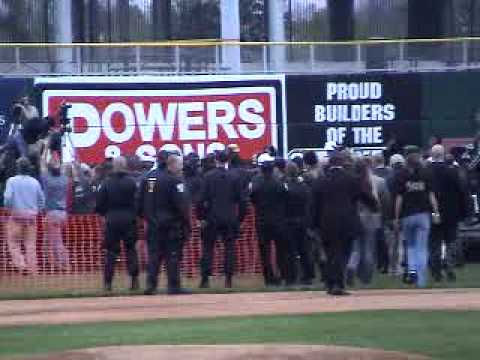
[64, 119]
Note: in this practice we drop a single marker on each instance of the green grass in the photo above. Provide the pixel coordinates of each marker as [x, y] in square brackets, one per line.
[468, 277]
[439, 334]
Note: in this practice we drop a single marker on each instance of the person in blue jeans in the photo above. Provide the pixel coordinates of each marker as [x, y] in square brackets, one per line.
[414, 204]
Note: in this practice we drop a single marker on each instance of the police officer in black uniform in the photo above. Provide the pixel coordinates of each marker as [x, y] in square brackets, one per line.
[268, 196]
[160, 166]
[297, 220]
[223, 205]
[116, 201]
[164, 204]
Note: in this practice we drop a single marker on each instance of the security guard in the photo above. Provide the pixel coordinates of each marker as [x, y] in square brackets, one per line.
[223, 203]
[116, 201]
[164, 204]
[159, 167]
[268, 196]
[297, 220]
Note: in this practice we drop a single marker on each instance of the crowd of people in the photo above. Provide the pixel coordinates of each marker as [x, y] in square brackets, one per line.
[337, 218]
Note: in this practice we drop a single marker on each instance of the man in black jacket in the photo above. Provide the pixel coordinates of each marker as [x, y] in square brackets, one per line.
[298, 207]
[223, 205]
[451, 199]
[116, 201]
[269, 197]
[164, 203]
[336, 197]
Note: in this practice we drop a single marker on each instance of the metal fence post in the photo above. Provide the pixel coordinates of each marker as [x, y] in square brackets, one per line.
[265, 58]
[217, 58]
[312, 56]
[17, 58]
[358, 54]
[138, 65]
[78, 59]
[465, 53]
[177, 59]
[401, 50]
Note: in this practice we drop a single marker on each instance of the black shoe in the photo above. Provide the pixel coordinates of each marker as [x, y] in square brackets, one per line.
[107, 287]
[178, 291]
[135, 285]
[437, 277]
[204, 284]
[451, 276]
[150, 291]
[306, 282]
[410, 278]
[228, 282]
[336, 291]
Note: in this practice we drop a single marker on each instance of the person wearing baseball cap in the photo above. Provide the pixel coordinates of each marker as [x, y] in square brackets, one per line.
[397, 160]
[265, 160]
[268, 195]
[233, 148]
[223, 206]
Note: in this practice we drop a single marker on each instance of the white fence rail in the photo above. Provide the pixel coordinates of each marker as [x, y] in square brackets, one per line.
[209, 57]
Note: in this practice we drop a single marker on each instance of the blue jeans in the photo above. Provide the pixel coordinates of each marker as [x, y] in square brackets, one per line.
[362, 258]
[416, 231]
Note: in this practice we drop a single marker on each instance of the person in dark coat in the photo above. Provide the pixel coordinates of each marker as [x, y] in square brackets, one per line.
[451, 198]
[336, 198]
[238, 169]
[223, 205]
[116, 201]
[297, 220]
[269, 196]
[164, 204]
[192, 176]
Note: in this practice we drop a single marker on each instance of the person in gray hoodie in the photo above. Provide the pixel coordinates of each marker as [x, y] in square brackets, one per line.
[24, 199]
[362, 259]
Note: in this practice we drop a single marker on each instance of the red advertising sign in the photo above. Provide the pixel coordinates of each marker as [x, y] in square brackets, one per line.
[108, 123]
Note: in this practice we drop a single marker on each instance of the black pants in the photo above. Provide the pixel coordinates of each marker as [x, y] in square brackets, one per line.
[120, 227]
[383, 258]
[268, 232]
[164, 243]
[212, 231]
[299, 251]
[338, 246]
[443, 233]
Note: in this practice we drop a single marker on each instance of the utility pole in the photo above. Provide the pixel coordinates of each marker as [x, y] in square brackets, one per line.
[276, 32]
[230, 31]
[63, 34]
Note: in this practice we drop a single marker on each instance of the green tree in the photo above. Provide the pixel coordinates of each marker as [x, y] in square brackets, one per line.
[253, 20]
[196, 19]
[11, 28]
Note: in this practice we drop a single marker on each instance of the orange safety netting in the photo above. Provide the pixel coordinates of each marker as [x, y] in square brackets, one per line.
[83, 239]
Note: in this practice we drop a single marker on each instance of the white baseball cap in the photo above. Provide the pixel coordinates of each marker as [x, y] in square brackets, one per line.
[397, 159]
[265, 158]
[330, 146]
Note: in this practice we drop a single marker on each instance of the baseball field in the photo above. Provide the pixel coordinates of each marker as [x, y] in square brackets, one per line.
[441, 322]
